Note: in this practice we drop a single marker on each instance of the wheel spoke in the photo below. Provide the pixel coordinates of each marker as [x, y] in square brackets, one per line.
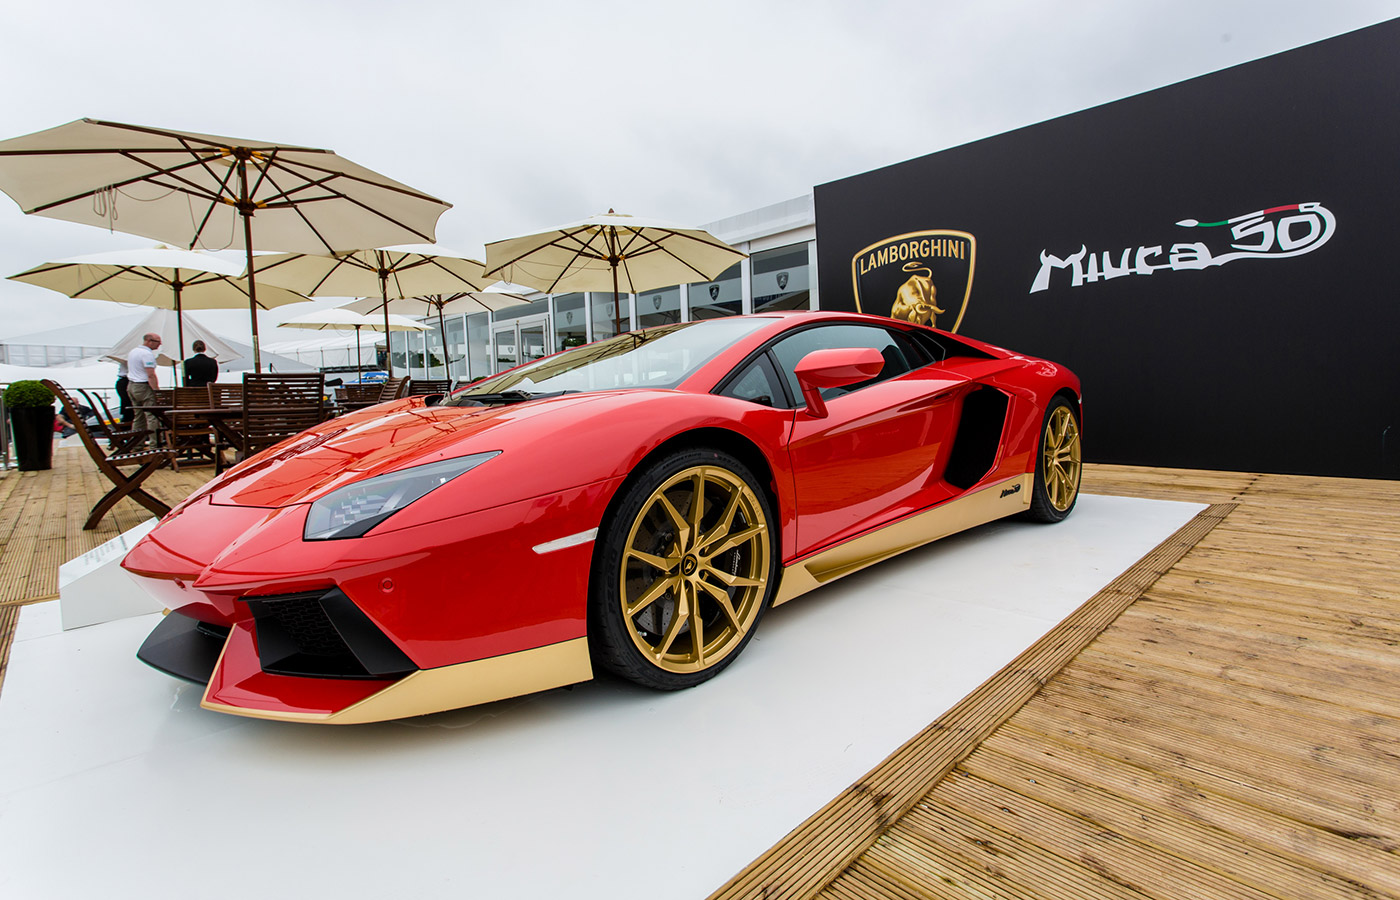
[726, 606]
[677, 622]
[726, 521]
[657, 562]
[697, 504]
[697, 637]
[658, 589]
[682, 526]
[732, 580]
[737, 539]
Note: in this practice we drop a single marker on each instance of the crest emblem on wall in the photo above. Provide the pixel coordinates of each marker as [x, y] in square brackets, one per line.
[714, 292]
[782, 281]
[655, 301]
[922, 276]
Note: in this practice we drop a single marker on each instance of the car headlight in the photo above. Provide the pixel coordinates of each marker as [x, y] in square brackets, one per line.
[355, 509]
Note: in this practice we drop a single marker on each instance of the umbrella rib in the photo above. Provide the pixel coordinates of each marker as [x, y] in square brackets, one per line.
[348, 176]
[296, 208]
[121, 184]
[161, 132]
[436, 263]
[213, 203]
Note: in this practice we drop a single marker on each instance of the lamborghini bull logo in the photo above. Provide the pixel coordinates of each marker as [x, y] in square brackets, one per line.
[904, 276]
[916, 299]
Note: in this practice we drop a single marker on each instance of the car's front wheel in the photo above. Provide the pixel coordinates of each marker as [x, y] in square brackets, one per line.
[1058, 465]
[685, 569]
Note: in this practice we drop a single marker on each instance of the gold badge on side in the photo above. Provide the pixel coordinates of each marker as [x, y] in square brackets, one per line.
[923, 277]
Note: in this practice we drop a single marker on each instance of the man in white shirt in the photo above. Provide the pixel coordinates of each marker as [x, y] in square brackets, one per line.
[142, 386]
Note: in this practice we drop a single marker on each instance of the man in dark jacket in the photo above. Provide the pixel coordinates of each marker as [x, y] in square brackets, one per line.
[200, 369]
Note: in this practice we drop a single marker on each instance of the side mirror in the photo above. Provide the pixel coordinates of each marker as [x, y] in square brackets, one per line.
[837, 367]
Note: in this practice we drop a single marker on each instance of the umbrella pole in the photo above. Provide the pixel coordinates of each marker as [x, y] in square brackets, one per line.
[179, 316]
[252, 292]
[442, 330]
[384, 299]
[245, 209]
[179, 333]
[359, 366]
[617, 310]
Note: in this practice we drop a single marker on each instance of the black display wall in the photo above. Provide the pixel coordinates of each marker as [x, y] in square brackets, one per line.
[1216, 259]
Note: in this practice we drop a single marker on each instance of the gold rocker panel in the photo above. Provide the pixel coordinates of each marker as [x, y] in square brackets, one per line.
[450, 687]
[1002, 499]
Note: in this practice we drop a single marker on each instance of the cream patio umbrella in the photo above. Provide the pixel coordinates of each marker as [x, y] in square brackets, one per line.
[341, 318]
[610, 252]
[391, 272]
[465, 303]
[157, 277]
[205, 191]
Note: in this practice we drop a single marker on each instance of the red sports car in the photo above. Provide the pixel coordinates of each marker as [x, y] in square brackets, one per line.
[634, 504]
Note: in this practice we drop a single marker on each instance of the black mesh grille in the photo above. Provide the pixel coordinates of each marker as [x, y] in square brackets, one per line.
[306, 623]
[322, 634]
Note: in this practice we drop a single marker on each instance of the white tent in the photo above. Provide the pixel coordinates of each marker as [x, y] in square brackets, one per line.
[164, 322]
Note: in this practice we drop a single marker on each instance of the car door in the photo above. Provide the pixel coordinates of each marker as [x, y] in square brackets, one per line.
[879, 451]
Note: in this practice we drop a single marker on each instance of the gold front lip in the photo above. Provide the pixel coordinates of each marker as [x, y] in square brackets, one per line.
[450, 687]
[988, 504]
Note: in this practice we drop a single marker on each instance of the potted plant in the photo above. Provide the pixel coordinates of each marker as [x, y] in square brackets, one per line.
[31, 424]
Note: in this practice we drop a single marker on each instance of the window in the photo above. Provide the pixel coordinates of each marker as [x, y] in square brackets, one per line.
[661, 307]
[722, 297]
[659, 358]
[478, 345]
[611, 314]
[781, 279]
[757, 383]
[789, 351]
[570, 329]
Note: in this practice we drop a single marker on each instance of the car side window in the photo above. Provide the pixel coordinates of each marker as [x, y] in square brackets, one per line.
[790, 350]
[756, 384]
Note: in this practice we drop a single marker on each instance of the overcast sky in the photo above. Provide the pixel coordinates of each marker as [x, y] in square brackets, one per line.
[525, 115]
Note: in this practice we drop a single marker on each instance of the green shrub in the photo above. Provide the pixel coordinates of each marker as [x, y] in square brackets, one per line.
[28, 393]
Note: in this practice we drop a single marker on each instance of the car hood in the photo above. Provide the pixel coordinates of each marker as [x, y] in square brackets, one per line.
[375, 442]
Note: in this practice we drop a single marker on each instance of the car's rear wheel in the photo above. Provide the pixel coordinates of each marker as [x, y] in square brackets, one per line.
[1059, 464]
[685, 571]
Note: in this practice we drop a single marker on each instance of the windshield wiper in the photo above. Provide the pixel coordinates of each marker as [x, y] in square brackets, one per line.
[505, 397]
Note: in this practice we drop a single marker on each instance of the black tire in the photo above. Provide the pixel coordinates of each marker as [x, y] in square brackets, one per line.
[1058, 464]
[671, 604]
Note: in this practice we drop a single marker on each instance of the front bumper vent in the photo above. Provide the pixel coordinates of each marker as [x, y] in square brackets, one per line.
[323, 634]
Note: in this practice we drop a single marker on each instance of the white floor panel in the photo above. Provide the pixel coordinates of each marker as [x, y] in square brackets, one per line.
[114, 783]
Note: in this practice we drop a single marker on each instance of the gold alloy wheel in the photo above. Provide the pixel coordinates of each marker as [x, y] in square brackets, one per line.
[695, 569]
[1059, 458]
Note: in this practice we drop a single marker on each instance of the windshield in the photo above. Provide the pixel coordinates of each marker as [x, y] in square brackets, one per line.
[656, 358]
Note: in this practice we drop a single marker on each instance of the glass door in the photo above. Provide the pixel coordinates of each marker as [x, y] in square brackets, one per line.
[520, 341]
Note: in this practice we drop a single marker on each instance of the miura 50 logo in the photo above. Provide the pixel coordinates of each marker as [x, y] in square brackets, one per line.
[1276, 233]
[918, 277]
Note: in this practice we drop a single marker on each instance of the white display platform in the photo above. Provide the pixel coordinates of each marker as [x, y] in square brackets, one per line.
[94, 588]
[114, 783]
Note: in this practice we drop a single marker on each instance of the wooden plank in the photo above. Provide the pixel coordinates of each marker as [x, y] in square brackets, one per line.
[1148, 789]
[809, 857]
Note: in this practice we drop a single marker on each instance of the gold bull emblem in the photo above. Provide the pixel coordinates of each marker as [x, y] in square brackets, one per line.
[916, 299]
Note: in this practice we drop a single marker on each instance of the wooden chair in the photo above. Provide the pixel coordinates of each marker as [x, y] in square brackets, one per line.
[188, 436]
[109, 464]
[225, 394]
[357, 393]
[120, 438]
[277, 405]
[393, 389]
[422, 386]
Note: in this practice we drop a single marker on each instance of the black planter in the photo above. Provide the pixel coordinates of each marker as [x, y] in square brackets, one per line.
[31, 429]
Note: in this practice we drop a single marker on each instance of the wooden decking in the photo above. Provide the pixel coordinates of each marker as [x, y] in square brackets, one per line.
[1234, 731]
[1222, 721]
[41, 526]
